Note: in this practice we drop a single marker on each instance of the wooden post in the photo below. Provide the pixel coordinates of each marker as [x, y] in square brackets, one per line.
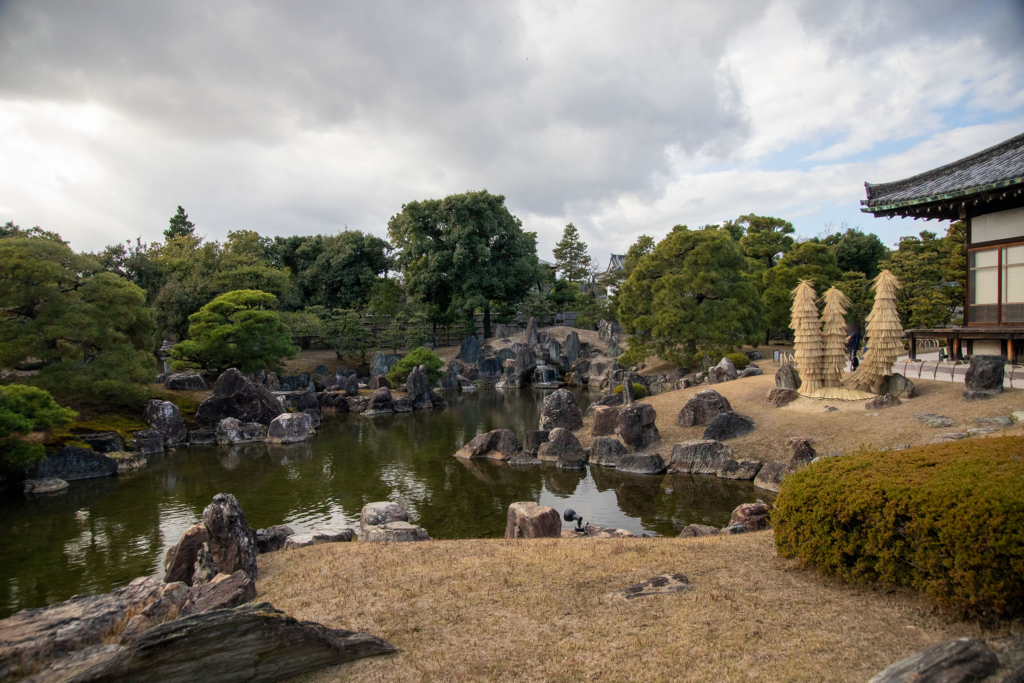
[913, 346]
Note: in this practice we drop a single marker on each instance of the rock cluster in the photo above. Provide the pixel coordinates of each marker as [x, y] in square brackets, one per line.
[387, 522]
[236, 397]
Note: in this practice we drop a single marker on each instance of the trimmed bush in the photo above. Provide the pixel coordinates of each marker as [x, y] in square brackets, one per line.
[417, 357]
[24, 410]
[946, 519]
[740, 360]
[639, 390]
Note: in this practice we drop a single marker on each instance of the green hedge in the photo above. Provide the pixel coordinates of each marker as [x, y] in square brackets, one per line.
[946, 519]
[740, 360]
[421, 355]
[639, 390]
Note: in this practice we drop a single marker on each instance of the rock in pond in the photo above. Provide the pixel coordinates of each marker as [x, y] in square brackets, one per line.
[530, 520]
[728, 426]
[636, 426]
[164, 417]
[236, 397]
[642, 463]
[186, 381]
[42, 487]
[232, 431]
[754, 516]
[290, 428]
[333, 401]
[127, 460]
[75, 463]
[379, 514]
[705, 456]
[606, 451]
[148, 442]
[985, 374]
[221, 592]
[316, 418]
[179, 563]
[743, 470]
[103, 442]
[560, 443]
[534, 439]
[779, 396]
[572, 461]
[204, 436]
[231, 542]
[698, 530]
[771, 475]
[379, 382]
[272, 538]
[702, 408]
[561, 410]
[499, 444]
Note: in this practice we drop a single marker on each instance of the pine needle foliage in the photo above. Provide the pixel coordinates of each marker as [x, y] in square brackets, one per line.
[833, 324]
[808, 350]
[885, 337]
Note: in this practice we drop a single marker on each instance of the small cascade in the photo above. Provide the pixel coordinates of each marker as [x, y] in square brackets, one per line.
[545, 375]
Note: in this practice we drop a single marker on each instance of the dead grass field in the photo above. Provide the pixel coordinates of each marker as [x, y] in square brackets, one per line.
[540, 610]
[847, 428]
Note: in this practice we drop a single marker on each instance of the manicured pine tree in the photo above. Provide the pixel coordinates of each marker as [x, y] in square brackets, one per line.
[833, 323]
[885, 337]
[807, 347]
[571, 258]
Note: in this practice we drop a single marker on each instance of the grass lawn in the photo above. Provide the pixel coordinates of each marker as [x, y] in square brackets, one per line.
[844, 429]
[541, 610]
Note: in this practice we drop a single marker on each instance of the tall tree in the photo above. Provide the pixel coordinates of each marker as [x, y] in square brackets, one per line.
[856, 251]
[613, 281]
[920, 264]
[463, 252]
[805, 261]
[766, 238]
[180, 225]
[571, 258]
[689, 298]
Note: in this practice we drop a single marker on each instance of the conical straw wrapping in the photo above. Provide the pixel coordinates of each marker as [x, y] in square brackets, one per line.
[833, 323]
[885, 337]
[808, 350]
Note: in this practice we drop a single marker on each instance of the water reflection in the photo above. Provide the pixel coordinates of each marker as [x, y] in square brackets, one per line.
[104, 532]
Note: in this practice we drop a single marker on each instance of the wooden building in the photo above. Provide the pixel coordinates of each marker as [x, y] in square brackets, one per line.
[987, 191]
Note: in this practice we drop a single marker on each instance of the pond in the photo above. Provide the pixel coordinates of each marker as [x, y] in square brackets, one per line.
[102, 533]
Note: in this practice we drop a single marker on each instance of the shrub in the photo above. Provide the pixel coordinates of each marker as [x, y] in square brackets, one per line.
[639, 390]
[24, 410]
[417, 357]
[946, 519]
[740, 360]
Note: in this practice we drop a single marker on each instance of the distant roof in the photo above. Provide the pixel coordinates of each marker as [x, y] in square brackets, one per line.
[990, 180]
[542, 262]
[616, 262]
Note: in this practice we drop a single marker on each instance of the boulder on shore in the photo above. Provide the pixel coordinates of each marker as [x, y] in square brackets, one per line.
[743, 470]
[233, 431]
[561, 444]
[164, 417]
[702, 408]
[703, 456]
[641, 463]
[530, 520]
[754, 516]
[534, 439]
[103, 442]
[272, 538]
[498, 444]
[561, 410]
[771, 475]
[698, 530]
[636, 426]
[148, 442]
[221, 592]
[231, 542]
[469, 349]
[290, 428]
[237, 397]
[606, 418]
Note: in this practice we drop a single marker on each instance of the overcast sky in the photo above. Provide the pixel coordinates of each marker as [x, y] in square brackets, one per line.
[623, 117]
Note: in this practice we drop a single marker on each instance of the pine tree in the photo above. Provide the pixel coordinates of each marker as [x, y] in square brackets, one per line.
[807, 347]
[180, 225]
[833, 322]
[885, 337]
[571, 258]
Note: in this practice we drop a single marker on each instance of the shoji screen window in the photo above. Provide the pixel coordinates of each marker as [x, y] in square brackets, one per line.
[1013, 284]
[984, 283]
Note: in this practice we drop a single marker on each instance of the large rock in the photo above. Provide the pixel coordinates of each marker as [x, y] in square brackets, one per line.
[381, 403]
[778, 396]
[771, 476]
[561, 410]
[572, 347]
[728, 426]
[754, 516]
[254, 643]
[235, 396]
[351, 385]
[985, 374]
[290, 428]
[882, 402]
[803, 453]
[308, 400]
[204, 436]
[221, 592]
[572, 461]
[186, 381]
[702, 408]
[698, 530]
[378, 382]
[525, 364]
[636, 426]
[743, 470]
[606, 451]
[333, 401]
[231, 542]
[164, 417]
[103, 442]
[554, 350]
[529, 520]
[148, 442]
[899, 386]
[606, 419]
[417, 387]
[531, 331]
[962, 660]
[379, 514]
[395, 532]
[699, 457]
[499, 444]
[233, 431]
[641, 463]
[490, 368]
[272, 538]
[725, 371]
[450, 379]
[35, 635]
[75, 463]
[179, 563]
[787, 377]
[561, 444]
[469, 349]
[534, 439]
[378, 364]
[164, 607]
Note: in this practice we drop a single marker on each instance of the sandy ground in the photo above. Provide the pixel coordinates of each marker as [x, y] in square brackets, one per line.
[845, 429]
[542, 610]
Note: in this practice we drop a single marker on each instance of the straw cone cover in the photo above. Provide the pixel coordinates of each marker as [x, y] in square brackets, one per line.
[808, 350]
[833, 334]
[885, 337]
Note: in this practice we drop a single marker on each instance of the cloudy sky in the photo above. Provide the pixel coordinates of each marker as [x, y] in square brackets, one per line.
[623, 117]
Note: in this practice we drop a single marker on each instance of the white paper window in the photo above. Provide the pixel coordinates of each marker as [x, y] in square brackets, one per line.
[985, 276]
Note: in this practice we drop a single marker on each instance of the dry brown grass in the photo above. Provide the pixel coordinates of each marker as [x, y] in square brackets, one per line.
[845, 429]
[541, 611]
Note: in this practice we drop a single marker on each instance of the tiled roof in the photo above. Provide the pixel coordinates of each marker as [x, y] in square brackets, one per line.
[616, 262]
[992, 170]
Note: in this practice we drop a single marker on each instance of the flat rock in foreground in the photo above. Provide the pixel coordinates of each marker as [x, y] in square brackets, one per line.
[254, 643]
[657, 585]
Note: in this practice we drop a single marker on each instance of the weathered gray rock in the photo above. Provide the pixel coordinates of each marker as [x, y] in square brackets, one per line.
[505, 354]
[127, 460]
[754, 516]
[272, 381]
[698, 530]
[377, 382]
[733, 529]
[74, 463]
[606, 419]
[380, 404]
[231, 542]
[534, 439]
[44, 487]
[572, 461]
[272, 538]
[752, 371]
[103, 442]
[998, 421]
[772, 475]
[530, 520]
[560, 410]
[164, 417]
[333, 401]
[787, 377]
[379, 514]
[148, 442]
[899, 386]
[351, 387]
[308, 400]
[418, 389]
[290, 428]
[572, 347]
[803, 453]
[728, 426]
[636, 426]
[490, 368]
[499, 444]
[329, 534]
[205, 568]
[561, 443]
[233, 431]
[642, 463]
[203, 436]
[316, 418]
[743, 470]
[358, 404]
[254, 643]
[186, 381]
[378, 364]
[882, 402]
[594, 532]
[235, 396]
[531, 331]
[525, 365]
[985, 375]
[657, 585]
[962, 660]
[164, 607]
[450, 379]
[702, 408]
[179, 563]
[606, 451]
[469, 350]
[933, 420]
[296, 541]
[221, 592]
[554, 350]
[706, 456]
[395, 532]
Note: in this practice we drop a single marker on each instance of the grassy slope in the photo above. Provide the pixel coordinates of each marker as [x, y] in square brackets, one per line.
[541, 610]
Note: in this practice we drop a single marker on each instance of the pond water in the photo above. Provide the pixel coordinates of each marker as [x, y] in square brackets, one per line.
[102, 533]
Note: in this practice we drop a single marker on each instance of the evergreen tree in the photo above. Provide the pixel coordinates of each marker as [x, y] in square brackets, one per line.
[766, 238]
[180, 225]
[805, 261]
[571, 258]
[24, 410]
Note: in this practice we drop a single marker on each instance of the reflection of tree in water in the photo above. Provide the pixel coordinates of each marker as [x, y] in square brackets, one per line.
[560, 482]
[633, 492]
